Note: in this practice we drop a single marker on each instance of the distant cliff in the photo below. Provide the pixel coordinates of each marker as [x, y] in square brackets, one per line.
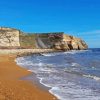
[13, 38]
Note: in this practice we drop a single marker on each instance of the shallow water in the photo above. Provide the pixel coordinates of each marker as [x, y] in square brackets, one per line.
[71, 75]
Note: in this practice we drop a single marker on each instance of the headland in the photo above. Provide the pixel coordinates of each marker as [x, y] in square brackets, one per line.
[14, 43]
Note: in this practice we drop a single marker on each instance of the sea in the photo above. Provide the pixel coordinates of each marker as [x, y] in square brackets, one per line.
[71, 75]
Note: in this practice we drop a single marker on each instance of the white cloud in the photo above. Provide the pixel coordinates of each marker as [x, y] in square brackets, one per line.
[90, 33]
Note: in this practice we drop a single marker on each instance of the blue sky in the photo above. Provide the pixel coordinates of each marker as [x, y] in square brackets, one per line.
[76, 17]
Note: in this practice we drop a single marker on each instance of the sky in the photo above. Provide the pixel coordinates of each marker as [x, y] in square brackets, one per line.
[80, 18]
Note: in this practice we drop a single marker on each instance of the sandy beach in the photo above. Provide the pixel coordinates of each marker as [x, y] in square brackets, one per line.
[13, 88]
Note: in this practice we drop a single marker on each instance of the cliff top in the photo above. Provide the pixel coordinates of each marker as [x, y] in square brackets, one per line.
[7, 28]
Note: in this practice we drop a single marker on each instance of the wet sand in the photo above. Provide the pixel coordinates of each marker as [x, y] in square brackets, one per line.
[11, 85]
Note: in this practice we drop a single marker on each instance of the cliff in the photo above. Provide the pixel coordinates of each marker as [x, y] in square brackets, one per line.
[9, 37]
[13, 38]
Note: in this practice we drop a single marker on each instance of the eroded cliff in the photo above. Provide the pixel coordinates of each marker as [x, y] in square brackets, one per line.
[13, 38]
[9, 37]
[60, 41]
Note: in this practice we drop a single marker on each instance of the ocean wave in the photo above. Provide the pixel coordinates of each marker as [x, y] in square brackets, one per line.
[53, 90]
[48, 54]
[72, 71]
[52, 54]
[66, 75]
[44, 54]
[73, 92]
[92, 77]
[77, 71]
[75, 65]
[76, 51]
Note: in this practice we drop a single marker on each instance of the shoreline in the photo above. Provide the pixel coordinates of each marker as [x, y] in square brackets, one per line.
[36, 80]
[11, 76]
[11, 85]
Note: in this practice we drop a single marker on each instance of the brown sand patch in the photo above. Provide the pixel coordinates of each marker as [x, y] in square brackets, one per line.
[11, 88]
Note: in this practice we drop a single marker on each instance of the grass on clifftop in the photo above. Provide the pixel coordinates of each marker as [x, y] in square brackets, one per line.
[27, 41]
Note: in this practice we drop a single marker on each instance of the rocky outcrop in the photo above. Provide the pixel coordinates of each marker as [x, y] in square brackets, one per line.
[70, 43]
[13, 38]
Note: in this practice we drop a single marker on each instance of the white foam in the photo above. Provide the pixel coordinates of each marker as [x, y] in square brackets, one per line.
[52, 89]
[75, 93]
[29, 70]
[43, 83]
[75, 51]
[52, 54]
[75, 64]
[70, 92]
[47, 55]
[56, 88]
[93, 77]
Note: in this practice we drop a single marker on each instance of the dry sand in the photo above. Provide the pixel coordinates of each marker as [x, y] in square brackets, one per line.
[12, 88]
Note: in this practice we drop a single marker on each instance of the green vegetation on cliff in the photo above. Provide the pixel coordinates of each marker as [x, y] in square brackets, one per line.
[27, 40]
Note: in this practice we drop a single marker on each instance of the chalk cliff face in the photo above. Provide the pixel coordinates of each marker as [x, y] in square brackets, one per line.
[9, 37]
[13, 38]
